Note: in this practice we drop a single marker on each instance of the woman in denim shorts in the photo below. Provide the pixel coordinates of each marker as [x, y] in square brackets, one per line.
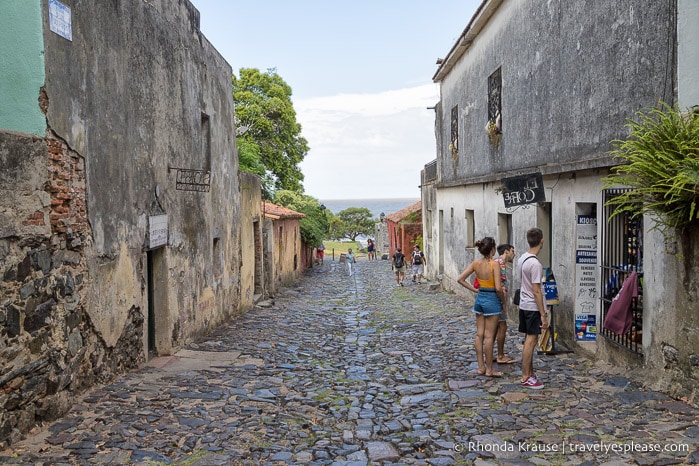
[489, 303]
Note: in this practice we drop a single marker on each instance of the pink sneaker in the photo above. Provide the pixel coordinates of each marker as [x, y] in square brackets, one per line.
[532, 383]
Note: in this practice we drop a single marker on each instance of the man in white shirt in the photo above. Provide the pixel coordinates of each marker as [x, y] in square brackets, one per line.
[532, 310]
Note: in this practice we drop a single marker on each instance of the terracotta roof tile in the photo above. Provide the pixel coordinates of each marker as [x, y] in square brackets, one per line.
[276, 211]
[401, 214]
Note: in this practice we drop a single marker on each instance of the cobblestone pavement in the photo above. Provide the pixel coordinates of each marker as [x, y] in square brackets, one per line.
[354, 371]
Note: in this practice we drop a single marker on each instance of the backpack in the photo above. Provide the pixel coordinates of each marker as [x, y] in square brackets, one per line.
[417, 258]
[398, 259]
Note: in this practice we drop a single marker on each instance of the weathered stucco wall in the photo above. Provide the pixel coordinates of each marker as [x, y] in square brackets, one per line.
[559, 243]
[287, 247]
[567, 89]
[137, 94]
[572, 73]
[154, 96]
[687, 53]
[250, 240]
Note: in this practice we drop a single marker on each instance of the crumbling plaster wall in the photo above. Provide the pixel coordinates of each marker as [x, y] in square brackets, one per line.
[137, 93]
[251, 226]
[572, 73]
[140, 92]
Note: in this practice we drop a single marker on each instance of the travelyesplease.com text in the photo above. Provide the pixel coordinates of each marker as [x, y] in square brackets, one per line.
[571, 447]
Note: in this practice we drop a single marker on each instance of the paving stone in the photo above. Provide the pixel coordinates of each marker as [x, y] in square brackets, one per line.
[333, 371]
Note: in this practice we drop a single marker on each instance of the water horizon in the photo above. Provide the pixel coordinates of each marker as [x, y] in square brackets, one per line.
[376, 206]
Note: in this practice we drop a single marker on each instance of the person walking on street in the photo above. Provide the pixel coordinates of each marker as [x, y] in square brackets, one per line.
[532, 311]
[321, 253]
[417, 259]
[371, 249]
[398, 264]
[488, 305]
[350, 260]
[506, 253]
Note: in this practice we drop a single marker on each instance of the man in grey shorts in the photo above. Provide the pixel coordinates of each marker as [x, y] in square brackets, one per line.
[398, 264]
[417, 258]
[532, 310]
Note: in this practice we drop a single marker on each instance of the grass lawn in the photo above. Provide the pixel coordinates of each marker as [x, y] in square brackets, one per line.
[341, 247]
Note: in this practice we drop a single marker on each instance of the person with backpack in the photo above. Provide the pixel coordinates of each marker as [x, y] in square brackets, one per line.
[398, 264]
[417, 258]
[532, 306]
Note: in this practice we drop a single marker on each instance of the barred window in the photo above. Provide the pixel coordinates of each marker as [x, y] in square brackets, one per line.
[622, 253]
[495, 98]
[454, 140]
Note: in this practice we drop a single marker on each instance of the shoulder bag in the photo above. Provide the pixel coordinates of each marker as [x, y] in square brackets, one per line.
[516, 297]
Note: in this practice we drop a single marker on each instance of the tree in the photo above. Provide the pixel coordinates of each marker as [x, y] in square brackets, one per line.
[355, 221]
[269, 138]
[314, 226]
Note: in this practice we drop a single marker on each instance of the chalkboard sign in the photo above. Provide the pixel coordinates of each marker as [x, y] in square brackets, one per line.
[525, 189]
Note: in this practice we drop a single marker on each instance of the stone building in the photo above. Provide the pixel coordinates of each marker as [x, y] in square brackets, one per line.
[531, 95]
[404, 229]
[252, 233]
[119, 215]
[284, 248]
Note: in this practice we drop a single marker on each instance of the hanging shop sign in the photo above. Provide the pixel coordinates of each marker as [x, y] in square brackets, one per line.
[586, 302]
[524, 189]
[157, 231]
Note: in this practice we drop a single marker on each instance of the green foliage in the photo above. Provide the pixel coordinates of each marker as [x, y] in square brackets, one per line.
[353, 222]
[660, 161]
[420, 242]
[335, 227]
[314, 226]
[413, 217]
[269, 138]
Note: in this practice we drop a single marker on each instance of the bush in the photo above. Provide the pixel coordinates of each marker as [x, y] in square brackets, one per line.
[660, 162]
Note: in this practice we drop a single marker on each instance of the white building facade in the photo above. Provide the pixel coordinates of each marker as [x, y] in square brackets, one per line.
[531, 97]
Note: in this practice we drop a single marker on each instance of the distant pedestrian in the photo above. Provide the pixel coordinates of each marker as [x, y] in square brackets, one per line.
[417, 258]
[506, 253]
[532, 311]
[398, 264]
[350, 260]
[320, 253]
[371, 249]
[488, 305]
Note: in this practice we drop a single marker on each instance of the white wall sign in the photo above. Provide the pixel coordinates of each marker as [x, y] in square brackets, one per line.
[60, 19]
[586, 302]
[157, 231]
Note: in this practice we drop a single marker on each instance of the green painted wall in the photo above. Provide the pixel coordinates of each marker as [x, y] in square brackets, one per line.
[21, 66]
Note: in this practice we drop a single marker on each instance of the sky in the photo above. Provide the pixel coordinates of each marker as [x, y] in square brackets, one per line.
[361, 76]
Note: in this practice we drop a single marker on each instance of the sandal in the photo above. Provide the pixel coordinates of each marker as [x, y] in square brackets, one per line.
[507, 360]
[494, 374]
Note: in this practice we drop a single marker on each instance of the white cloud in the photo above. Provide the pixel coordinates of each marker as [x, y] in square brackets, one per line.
[367, 145]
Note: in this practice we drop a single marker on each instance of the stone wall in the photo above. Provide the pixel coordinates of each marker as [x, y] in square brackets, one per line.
[135, 98]
[48, 347]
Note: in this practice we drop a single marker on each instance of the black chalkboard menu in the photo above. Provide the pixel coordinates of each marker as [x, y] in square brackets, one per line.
[524, 189]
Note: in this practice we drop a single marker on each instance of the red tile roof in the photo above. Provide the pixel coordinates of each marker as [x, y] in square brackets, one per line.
[401, 214]
[275, 212]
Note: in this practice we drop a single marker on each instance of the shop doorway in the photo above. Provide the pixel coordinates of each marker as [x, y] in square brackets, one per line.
[157, 299]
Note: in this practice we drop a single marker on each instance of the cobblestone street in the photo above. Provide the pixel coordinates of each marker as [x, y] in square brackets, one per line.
[355, 371]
